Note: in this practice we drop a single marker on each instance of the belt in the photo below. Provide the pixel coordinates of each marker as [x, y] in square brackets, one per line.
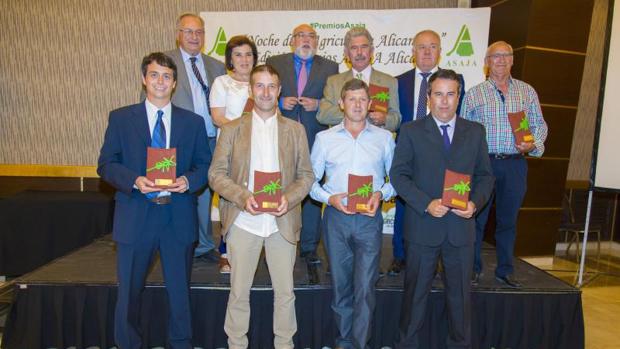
[503, 156]
[162, 200]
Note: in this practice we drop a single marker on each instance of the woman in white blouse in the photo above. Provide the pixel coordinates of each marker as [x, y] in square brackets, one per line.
[230, 92]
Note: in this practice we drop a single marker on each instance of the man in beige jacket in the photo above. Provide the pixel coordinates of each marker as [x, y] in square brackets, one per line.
[359, 50]
[264, 141]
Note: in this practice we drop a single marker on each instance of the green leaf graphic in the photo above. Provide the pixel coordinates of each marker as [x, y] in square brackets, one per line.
[363, 191]
[461, 188]
[270, 188]
[163, 165]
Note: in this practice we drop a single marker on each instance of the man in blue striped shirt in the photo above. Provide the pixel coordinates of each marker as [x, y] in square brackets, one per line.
[489, 104]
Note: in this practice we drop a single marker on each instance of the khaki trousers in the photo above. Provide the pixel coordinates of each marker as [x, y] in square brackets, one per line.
[244, 250]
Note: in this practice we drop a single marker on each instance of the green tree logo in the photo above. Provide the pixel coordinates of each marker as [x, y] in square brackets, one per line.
[220, 43]
[463, 45]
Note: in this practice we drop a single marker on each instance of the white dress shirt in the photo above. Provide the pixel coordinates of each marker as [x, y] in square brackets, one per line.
[263, 157]
[365, 74]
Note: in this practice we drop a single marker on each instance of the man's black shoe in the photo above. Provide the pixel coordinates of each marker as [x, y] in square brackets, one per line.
[509, 281]
[311, 257]
[397, 266]
[475, 279]
[211, 256]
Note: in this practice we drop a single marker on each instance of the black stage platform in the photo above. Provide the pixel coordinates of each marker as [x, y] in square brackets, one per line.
[70, 303]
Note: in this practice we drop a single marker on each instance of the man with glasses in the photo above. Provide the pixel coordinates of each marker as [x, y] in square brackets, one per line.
[489, 104]
[196, 74]
[359, 49]
[304, 74]
[412, 87]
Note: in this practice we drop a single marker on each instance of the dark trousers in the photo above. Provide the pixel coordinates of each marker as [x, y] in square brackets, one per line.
[510, 187]
[133, 263]
[398, 243]
[310, 225]
[421, 265]
[354, 247]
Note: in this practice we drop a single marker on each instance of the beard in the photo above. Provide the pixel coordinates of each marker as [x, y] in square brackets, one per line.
[304, 53]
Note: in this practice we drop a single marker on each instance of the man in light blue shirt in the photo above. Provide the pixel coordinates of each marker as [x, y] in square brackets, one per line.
[353, 240]
[196, 74]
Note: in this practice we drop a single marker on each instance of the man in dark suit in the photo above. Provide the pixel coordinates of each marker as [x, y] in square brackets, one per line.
[412, 86]
[147, 219]
[425, 149]
[195, 78]
[304, 74]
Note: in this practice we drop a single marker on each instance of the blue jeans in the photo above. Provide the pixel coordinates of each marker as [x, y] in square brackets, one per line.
[510, 187]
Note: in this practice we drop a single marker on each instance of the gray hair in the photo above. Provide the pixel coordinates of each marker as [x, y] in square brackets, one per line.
[189, 14]
[355, 32]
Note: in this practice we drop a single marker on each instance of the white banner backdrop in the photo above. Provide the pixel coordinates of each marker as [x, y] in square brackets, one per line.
[464, 35]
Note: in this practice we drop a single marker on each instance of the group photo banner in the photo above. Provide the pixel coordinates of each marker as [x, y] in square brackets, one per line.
[464, 35]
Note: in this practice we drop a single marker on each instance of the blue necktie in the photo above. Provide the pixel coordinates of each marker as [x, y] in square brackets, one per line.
[446, 137]
[421, 112]
[158, 141]
[159, 132]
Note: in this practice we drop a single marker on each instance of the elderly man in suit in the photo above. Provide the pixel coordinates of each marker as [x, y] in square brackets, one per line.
[426, 148]
[261, 141]
[412, 92]
[148, 219]
[358, 49]
[196, 74]
[304, 74]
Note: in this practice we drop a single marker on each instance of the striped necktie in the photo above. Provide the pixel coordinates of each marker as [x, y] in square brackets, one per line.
[421, 111]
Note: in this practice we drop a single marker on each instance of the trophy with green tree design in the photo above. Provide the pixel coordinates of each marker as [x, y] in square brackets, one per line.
[267, 190]
[359, 192]
[520, 127]
[161, 166]
[456, 189]
[380, 97]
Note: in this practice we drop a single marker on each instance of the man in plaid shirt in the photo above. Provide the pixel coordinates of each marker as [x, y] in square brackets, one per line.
[489, 104]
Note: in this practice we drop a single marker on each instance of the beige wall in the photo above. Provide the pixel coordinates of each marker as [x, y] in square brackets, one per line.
[64, 64]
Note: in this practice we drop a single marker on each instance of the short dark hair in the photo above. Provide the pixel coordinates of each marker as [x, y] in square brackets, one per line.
[447, 74]
[237, 41]
[264, 68]
[160, 59]
[353, 85]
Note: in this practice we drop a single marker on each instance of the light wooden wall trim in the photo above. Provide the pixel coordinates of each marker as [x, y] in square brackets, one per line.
[18, 170]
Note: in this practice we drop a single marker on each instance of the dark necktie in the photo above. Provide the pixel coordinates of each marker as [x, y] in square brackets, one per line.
[204, 86]
[158, 140]
[421, 112]
[446, 137]
[159, 132]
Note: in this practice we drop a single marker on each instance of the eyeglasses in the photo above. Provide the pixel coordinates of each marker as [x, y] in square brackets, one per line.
[431, 47]
[306, 35]
[500, 55]
[189, 32]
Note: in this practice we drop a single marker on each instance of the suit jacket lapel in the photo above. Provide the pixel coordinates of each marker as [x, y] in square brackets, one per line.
[176, 127]
[290, 75]
[459, 134]
[434, 135]
[245, 145]
[141, 122]
[283, 146]
[316, 68]
[183, 79]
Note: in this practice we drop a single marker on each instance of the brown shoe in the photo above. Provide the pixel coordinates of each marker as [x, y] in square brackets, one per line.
[224, 266]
